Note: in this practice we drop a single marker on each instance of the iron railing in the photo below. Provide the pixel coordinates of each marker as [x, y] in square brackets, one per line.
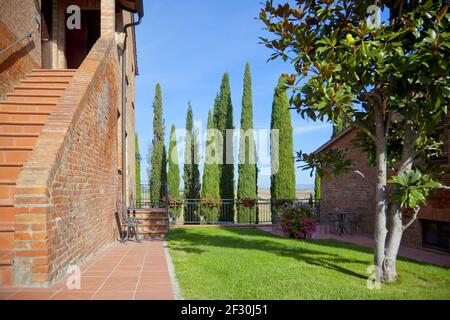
[215, 211]
[26, 36]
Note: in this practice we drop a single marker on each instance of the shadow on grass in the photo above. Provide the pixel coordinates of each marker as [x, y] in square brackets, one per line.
[190, 241]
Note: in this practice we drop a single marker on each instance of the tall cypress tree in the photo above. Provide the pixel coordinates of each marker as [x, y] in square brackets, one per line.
[282, 151]
[211, 170]
[188, 155]
[247, 154]
[138, 171]
[196, 185]
[157, 159]
[164, 185]
[223, 118]
[191, 159]
[174, 170]
[317, 189]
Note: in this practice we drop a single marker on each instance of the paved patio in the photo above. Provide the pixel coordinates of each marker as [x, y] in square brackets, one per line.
[441, 259]
[120, 272]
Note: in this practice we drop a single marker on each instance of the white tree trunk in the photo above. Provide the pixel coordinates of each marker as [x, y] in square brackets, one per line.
[380, 231]
[395, 213]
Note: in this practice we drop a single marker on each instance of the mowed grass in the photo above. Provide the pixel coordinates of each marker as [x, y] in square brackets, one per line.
[246, 263]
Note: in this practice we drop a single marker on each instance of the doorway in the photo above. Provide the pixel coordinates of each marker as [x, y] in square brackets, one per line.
[80, 41]
[46, 33]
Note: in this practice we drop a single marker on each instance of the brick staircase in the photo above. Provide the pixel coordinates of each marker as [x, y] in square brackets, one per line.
[154, 223]
[22, 116]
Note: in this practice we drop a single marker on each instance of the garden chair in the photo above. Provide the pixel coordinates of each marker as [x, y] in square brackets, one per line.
[330, 222]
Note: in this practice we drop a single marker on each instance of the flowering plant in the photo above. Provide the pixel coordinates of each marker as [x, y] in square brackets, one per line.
[211, 202]
[248, 202]
[175, 202]
[298, 221]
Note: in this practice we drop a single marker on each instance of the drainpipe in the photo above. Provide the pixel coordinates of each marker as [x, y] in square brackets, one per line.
[124, 105]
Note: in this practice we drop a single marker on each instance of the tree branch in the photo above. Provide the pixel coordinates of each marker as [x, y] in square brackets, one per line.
[413, 218]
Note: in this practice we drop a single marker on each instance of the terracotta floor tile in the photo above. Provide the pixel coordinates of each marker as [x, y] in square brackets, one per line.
[155, 279]
[153, 296]
[114, 295]
[73, 295]
[120, 284]
[5, 294]
[154, 287]
[32, 295]
[119, 273]
[89, 283]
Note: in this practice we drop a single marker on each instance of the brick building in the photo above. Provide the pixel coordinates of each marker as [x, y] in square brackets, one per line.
[353, 193]
[65, 95]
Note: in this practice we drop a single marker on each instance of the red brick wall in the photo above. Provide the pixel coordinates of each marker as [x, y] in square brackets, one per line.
[351, 192]
[17, 18]
[355, 194]
[67, 192]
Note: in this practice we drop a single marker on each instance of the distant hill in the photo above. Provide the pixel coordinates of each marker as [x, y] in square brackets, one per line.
[301, 193]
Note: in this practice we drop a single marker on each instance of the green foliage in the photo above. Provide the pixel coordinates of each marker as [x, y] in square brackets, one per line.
[138, 171]
[247, 154]
[211, 170]
[157, 178]
[350, 71]
[191, 174]
[413, 188]
[174, 170]
[332, 162]
[317, 188]
[223, 119]
[283, 175]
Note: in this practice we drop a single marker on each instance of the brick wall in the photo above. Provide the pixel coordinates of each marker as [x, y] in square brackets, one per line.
[67, 192]
[355, 194]
[17, 18]
[351, 192]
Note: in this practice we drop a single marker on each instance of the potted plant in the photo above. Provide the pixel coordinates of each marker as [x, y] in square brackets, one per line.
[297, 221]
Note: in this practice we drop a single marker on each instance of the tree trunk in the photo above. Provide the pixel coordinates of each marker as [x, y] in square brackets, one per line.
[397, 228]
[380, 215]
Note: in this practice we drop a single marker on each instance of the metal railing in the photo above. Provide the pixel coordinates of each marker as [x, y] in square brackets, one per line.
[27, 36]
[216, 211]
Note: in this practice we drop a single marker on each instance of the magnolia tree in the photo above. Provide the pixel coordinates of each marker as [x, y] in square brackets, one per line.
[386, 78]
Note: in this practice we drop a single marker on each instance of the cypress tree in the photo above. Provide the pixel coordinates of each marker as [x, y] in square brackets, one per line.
[191, 159]
[188, 169]
[164, 174]
[196, 185]
[211, 170]
[223, 117]
[138, 171]
[283, 171]
[174, 170]
[157, 158]
[247, 154]
[317, 189]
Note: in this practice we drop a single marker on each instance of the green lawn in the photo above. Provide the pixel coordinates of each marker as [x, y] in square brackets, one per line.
[238, 263]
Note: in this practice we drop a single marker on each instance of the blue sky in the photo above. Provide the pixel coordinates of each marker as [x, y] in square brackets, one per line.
[186, 46]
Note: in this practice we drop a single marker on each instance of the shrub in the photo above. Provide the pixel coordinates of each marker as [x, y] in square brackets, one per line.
[298, 221]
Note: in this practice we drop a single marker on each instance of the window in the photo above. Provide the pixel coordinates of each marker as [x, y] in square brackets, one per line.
[435, 234]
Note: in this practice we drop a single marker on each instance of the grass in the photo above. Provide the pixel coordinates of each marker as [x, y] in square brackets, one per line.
[245, 263]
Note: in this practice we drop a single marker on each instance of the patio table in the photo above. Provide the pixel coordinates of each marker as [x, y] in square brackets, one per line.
[342, 218]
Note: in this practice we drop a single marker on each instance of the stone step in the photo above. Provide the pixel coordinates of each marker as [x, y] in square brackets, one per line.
[10, 171]
[21, 128]
[30, 90]
[14, 155]
[26, 108]
[10, 117]
[33, 97]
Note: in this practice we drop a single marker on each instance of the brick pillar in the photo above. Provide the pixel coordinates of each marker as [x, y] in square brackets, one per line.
[108, 17]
